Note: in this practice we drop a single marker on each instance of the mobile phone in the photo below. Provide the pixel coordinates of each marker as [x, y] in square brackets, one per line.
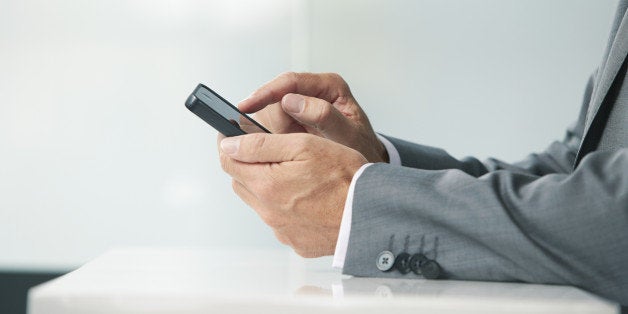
[219, 113]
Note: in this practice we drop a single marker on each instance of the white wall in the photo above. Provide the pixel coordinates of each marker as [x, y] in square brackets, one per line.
[477, 77]
[97, 150]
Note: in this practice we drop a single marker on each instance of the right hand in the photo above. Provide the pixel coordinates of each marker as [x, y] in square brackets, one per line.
[316, 103]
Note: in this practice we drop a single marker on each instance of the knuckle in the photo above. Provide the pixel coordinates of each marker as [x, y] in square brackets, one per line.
[273, 219]
[225, 163]
[338, 79]
[253, 142]
[324, 111]
[293, 204]
[285, 79]
[303, 143]
[287, 74]
[290, 77]
[335, 76]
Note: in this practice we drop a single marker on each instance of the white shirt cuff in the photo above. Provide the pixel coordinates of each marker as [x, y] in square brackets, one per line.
[345, 225]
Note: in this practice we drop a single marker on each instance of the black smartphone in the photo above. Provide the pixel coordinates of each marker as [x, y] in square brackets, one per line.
[219, 113]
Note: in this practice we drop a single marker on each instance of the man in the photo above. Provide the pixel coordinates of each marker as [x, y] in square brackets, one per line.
[327, 184]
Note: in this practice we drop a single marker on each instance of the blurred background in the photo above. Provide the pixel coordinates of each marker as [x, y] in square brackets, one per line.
[97, 150]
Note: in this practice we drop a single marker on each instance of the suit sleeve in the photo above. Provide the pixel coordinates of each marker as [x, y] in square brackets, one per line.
[559, 157]
[567, 229]
[537, 221]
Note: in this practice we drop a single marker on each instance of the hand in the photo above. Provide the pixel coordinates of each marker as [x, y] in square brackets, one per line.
[297, 183]
[320, 104]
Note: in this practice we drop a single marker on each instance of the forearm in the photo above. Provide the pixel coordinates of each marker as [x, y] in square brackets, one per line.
[503, 226]
[557, 158]
[432, 158]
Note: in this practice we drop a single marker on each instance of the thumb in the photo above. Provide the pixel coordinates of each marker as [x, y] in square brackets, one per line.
[317, 113]
[264, 148]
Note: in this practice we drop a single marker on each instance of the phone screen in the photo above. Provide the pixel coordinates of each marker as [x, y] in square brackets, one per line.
[228, 111]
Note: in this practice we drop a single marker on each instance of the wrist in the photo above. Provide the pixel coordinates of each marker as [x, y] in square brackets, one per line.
[383, 152]
[380, 153]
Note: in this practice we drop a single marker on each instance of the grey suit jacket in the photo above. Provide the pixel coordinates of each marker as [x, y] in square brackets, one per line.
[557, 217]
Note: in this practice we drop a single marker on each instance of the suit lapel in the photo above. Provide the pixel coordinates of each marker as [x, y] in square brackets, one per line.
[616, 55]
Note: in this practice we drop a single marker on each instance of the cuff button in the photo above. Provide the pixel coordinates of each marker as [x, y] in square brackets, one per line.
[402, 263]
[385, 261]
[416, 261]
[430, 269]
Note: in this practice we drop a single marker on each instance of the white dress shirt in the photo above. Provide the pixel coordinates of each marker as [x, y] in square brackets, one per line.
[345, 224]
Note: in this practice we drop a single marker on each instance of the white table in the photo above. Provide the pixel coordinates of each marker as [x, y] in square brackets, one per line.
[186, 281]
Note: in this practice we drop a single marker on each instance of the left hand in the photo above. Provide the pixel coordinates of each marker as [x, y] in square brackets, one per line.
[297, 183]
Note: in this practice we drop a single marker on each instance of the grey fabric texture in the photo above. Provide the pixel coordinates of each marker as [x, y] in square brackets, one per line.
[556, 217]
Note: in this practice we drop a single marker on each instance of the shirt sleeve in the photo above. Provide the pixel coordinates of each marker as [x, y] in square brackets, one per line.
[345, 224]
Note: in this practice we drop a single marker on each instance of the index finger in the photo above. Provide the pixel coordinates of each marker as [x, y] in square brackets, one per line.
[327, 86]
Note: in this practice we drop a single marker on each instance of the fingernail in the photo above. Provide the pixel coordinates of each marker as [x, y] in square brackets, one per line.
[230, 146]
[294, 103]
